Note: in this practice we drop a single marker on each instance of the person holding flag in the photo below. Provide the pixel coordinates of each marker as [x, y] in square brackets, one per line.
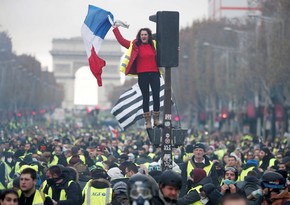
[140, 60]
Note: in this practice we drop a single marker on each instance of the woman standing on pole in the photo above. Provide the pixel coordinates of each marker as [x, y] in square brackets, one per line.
[140, 59]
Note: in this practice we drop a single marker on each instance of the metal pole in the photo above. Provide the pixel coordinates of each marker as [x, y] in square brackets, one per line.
[166, 146]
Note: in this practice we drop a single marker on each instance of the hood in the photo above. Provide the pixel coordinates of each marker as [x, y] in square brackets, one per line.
[204, 181]
[100, 183]
[251, 179]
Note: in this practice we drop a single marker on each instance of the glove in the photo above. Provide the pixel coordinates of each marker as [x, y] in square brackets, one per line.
[118, 23]
[255, 194]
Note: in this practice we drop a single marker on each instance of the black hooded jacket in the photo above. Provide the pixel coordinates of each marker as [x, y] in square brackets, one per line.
[193, 196]
[71, 188]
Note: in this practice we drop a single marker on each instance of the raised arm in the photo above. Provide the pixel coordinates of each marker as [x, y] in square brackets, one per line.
[124, 42]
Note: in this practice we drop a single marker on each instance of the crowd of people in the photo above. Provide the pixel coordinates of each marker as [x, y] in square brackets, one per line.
[66, 164]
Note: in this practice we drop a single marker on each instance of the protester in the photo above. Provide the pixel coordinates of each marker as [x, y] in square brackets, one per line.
[61, 188]
[9, 197]
[169, 188]
[229, 185]
[141, 60]
[198, 179]
[234, 199]
[274, 189]
[140, 190]
[98, 191]
[198, 160]
[29, 195]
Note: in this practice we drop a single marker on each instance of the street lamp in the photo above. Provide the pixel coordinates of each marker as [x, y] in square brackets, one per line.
[234, 30]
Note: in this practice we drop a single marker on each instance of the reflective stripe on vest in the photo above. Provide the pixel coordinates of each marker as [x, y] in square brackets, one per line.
[197, 188]
[126, 58]
[244, 173]
[206, 169]
[98, 196]
[62, 192]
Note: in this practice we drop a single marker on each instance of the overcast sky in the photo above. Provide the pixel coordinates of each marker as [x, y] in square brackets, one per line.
[32, 24]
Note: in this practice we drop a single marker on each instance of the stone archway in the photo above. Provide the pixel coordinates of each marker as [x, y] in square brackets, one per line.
[68, 55]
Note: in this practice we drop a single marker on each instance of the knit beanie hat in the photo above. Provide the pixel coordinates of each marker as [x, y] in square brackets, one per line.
[252, 162]
[197, 174]
[120, 187]
[199, 145]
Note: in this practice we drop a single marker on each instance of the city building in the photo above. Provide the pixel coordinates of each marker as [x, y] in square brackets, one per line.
[218, 9]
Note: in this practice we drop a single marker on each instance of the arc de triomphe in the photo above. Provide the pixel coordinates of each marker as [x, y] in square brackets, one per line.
[69, 55]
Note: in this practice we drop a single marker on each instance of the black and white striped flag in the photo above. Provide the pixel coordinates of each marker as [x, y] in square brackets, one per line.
[128, 108]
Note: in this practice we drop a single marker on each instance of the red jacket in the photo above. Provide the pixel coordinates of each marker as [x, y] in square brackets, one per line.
[131, 67]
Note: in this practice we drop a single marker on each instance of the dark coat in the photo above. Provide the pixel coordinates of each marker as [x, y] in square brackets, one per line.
[212, 173]
[193, 196]
[251, 184]
[73, 191]
[159, 200]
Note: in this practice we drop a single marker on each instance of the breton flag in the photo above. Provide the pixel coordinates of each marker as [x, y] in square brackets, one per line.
[95, 27]
[128, 108]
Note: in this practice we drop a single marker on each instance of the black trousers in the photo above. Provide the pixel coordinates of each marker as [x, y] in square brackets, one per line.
[150, 79]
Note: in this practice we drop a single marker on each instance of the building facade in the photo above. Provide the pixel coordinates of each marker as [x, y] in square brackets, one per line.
[218, 9]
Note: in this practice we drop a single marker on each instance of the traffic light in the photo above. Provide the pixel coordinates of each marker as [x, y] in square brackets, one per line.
[167, 37]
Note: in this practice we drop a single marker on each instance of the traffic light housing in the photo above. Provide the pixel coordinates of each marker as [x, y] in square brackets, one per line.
[167, 37]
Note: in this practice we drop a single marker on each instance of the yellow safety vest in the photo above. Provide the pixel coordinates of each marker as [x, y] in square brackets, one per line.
[53, 162]
[271, 162]
[38, 199]
[6, 175]
[220, 153]
[244, 173]
[126, 58]
[151, 155]
[88, 184]
[186, 157]
[197, 188]
[103, 157]
[206, 169]
[62, 192]
[97, 196]
[43, 185]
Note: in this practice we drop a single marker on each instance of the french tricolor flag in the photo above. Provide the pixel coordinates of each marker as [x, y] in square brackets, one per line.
[96, 25]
